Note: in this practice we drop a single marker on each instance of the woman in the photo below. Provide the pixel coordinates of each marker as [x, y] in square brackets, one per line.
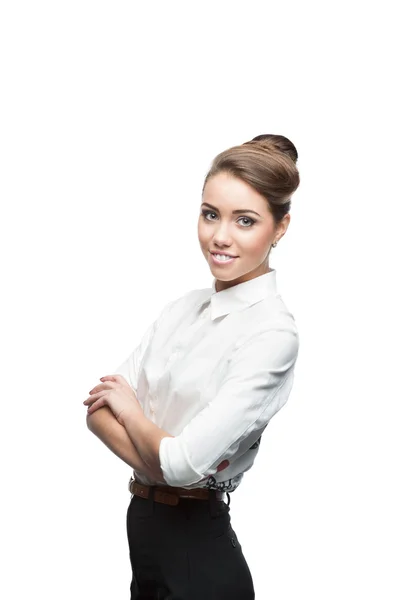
[187, 409]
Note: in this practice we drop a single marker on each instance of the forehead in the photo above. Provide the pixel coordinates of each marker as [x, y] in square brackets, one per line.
[226, 191]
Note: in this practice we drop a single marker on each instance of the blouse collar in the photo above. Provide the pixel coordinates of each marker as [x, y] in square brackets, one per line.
[242, 295]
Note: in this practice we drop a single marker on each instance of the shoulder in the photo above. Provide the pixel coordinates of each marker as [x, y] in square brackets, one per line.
[268, 314]
[268, 324]
[282, 316]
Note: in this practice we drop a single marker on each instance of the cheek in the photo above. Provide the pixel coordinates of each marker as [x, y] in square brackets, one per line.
[203, 235]
[256, 244]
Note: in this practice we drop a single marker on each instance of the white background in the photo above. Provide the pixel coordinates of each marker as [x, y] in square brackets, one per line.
[111, 113]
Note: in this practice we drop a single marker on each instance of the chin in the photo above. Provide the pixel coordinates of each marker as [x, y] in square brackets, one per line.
[226, 276]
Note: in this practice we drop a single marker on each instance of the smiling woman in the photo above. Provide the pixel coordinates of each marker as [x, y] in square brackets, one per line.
[254, 180]
[205, 380]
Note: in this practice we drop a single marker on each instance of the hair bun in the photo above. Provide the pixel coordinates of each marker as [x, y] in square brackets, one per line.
[277, 142]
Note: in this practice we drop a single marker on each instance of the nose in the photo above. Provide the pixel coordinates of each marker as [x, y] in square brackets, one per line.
[222, 237]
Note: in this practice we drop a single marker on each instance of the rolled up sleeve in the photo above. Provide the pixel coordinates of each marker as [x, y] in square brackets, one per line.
[256, 386]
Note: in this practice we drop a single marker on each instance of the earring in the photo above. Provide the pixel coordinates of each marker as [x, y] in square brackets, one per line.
[274, 244]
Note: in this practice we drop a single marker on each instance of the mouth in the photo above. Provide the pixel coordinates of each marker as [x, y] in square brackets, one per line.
[217, 260]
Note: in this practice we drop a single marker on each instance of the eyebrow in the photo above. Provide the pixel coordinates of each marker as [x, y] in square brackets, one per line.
[235, 212]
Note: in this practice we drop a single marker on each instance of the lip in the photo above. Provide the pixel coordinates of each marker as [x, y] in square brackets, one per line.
[224, 254]
[222, 263]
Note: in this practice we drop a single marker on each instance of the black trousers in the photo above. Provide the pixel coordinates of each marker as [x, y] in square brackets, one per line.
[185, 552]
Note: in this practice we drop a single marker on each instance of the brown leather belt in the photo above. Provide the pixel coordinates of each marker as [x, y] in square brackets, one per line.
[170, 495]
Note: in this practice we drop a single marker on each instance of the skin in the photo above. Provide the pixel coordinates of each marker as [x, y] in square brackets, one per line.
[237, 234]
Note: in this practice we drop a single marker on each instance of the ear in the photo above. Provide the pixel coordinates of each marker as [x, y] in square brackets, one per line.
[283, 226]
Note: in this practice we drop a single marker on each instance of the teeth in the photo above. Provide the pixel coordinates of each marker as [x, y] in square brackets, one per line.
[223, 257]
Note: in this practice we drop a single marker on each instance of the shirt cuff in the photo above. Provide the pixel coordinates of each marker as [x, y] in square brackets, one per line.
[176, 466]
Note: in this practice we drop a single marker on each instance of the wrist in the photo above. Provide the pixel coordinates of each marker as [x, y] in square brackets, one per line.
[131, 416]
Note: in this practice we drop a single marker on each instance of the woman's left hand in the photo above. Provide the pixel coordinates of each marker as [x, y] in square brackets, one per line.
[116, 393]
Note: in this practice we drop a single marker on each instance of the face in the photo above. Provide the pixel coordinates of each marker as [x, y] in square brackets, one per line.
[235, 219]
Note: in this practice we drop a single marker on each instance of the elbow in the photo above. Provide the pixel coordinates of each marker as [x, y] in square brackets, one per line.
[94, 423]
[89, 422]
[182, 481]
[175, 466]
[101, 416]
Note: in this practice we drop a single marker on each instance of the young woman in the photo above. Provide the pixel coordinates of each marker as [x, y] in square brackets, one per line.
[187, 409]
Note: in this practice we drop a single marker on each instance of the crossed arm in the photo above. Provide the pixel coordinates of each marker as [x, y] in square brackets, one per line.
[107, 428]
[256, 386]
[146, 434]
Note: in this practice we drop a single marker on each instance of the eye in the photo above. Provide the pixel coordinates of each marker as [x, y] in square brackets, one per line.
[248, 219]
[205, 213]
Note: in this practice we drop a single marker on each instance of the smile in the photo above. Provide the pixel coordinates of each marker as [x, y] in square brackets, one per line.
[222, 260]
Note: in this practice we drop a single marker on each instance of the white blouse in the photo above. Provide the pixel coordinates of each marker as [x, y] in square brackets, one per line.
[212, 370]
